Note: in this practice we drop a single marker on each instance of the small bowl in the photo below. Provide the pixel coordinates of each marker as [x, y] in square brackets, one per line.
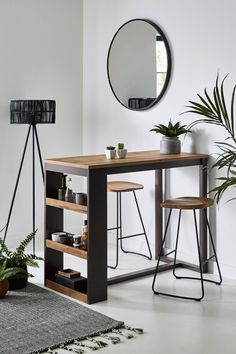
[61, 237]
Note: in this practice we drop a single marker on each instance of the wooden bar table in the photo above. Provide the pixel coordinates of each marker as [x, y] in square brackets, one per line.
[96, 168]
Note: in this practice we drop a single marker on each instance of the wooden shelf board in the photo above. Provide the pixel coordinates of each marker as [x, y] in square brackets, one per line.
[66, 249]
[66, 291]
[66, 205]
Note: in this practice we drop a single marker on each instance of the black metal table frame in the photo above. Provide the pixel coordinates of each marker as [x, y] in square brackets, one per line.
[97, 217]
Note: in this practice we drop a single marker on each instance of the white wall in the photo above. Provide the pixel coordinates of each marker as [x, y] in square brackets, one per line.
[201, 36]
[41, 57]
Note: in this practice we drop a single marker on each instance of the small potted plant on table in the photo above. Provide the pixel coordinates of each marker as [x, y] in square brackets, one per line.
[170, 143]
[121, 151]
[110, 152]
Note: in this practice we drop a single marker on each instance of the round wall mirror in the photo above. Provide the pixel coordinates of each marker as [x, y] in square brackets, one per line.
[139, 64]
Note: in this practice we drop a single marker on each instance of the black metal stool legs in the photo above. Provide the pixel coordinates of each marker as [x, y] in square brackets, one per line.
[176, 243]
[119, 231]
[199, 258]
[160, 254]
[214, 250]
[207, 260]
[142, 233]
[200, 266]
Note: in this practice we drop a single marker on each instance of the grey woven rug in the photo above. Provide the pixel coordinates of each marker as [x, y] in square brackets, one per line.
[35, 319]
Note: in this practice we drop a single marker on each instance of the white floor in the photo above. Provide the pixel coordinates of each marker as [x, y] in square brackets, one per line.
[171, 326]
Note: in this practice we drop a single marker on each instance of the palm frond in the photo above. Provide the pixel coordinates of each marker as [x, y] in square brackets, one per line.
[214, 108]
[232, 111]
[219, 190]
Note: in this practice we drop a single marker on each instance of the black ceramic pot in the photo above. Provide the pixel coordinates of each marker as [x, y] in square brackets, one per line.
[18, 283]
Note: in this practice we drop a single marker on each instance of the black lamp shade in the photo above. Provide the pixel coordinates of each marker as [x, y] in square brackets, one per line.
[33, 111]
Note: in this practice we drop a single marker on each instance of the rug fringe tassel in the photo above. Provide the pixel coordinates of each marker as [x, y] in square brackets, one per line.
[77, 345]
[98, 342]
[136, 330]
[126, 335]
[113, 339]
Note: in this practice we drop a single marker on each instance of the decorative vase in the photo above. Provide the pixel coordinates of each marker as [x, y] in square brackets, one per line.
[170, 145]
[4, 287]
[110, 154]
[121, 153]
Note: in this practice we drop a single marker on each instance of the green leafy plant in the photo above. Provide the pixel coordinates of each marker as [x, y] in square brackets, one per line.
[18, 258]
[213, 110]
[110, 147]
[121, 146]
[11, 273]
[171, 130]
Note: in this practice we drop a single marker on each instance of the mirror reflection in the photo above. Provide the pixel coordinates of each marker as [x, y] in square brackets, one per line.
[139, 64]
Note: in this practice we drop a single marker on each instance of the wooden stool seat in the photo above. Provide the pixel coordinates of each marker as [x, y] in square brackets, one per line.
[188, 203]
[123, 186]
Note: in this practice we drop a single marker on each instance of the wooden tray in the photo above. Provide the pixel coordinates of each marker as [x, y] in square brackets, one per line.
[69, 273]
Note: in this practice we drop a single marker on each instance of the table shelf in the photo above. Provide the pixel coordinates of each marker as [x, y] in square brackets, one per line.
[66, 249]
[66, 205]
[67, 291]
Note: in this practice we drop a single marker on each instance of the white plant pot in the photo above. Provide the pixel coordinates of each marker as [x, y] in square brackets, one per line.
[110, 154]
[121, 153]
[170, 145]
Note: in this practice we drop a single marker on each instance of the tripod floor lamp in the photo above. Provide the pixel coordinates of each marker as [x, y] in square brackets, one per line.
[31, 112]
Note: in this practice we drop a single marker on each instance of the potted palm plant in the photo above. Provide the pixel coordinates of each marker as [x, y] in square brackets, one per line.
[170, 143]
[213, 110]
[8, 273]
[18, 258]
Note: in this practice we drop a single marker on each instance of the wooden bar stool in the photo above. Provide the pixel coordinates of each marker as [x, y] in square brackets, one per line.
[120, 187]
[188, 203]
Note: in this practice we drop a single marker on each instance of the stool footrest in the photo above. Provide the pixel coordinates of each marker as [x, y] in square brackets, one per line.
[138, 254]
[113, 228]
[208, 259]
[167, 254]
[196, 278]
[128, 236]
[179, 296]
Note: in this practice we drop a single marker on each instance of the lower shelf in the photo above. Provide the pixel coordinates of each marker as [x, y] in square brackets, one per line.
[66, 291]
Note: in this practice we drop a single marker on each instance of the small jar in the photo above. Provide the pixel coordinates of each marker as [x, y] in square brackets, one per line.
[81, 198]
[77, 240]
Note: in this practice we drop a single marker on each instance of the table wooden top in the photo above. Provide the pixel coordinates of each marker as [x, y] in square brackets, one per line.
[132, 158]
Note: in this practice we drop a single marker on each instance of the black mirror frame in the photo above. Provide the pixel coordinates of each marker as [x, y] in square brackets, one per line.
[169, 64]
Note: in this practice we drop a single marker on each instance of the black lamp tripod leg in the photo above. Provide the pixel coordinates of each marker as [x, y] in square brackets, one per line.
[16, 185]
[35, 138]
[33, 184]
[39, 151]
